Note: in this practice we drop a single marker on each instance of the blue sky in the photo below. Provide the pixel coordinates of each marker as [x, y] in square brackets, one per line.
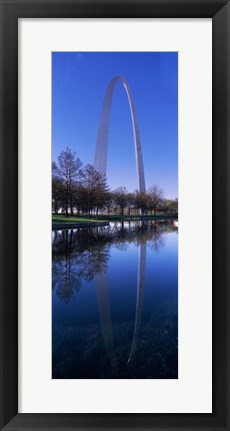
[79, 82]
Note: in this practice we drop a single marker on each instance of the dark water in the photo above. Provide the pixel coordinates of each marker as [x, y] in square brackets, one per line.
[115, 302]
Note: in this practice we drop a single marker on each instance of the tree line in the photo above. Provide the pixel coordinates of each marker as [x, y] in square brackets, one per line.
[82, 190]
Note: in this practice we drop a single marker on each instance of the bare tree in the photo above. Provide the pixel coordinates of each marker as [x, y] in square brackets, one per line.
[102, 196]
[92, 190]
[120, 198]
[68, 171]
[130, 202]
[155, 198]
[141, 201]
[58, 192]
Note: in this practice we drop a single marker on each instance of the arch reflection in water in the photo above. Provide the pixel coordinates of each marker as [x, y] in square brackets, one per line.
[102, 287]
[140, 295]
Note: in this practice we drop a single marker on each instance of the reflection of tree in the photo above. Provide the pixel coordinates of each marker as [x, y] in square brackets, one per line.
[121, 246]
[80, 254]
[92, 262]
[73, 262]
[157, 240]
[64, 277]
[65, 280]
[158, 229]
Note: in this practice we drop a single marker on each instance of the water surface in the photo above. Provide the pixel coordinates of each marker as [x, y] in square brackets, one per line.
[115, 301]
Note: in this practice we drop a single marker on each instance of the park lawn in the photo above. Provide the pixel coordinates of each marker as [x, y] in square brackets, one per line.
[61, 219]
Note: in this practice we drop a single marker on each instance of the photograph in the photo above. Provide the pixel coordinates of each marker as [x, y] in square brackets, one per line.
[115, 117]
[114, 215]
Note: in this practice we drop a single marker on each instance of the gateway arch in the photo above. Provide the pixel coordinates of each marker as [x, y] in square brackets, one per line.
[100, 161]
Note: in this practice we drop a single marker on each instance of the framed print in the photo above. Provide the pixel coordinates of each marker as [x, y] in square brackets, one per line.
[114, 215]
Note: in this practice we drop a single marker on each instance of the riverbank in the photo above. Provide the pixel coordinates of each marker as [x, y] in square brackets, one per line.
[139, 217]
[61, 222]
[57, 226]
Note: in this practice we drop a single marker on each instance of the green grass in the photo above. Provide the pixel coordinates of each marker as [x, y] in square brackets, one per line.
[61, 219]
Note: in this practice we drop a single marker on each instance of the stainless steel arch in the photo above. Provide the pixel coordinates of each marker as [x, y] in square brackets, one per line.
[100, 161]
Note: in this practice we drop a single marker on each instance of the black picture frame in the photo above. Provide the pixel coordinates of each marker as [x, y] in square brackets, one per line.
[11, 11]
